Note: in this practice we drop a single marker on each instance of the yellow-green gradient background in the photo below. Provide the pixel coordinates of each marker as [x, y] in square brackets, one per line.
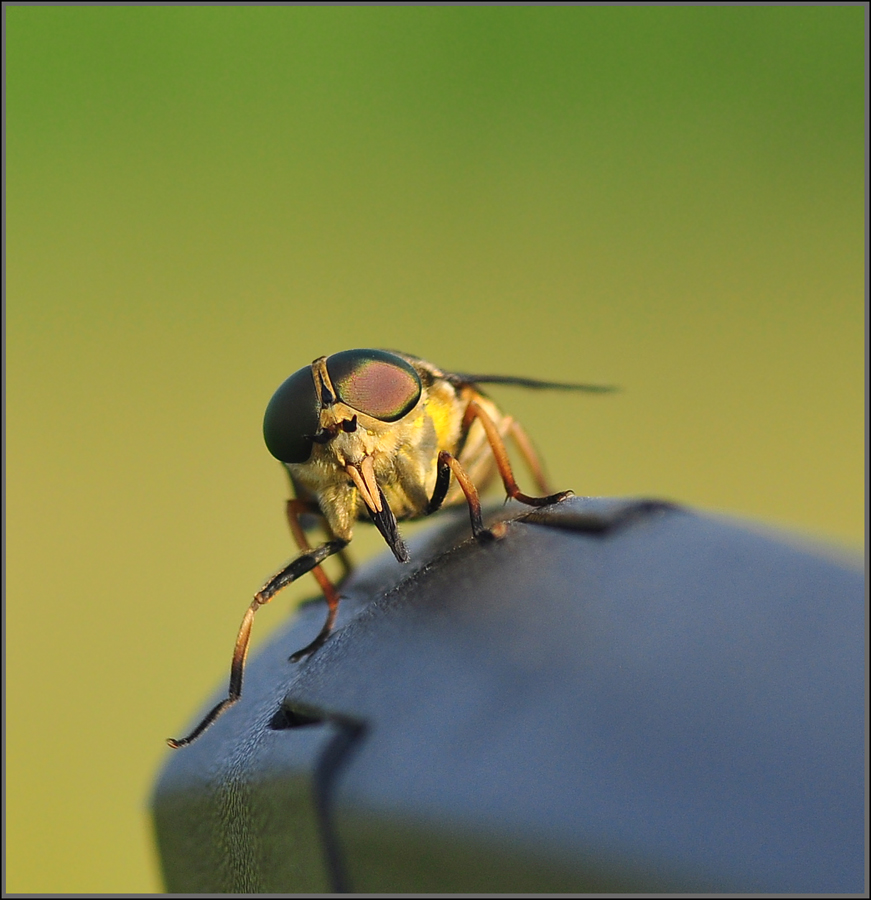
[201, 200]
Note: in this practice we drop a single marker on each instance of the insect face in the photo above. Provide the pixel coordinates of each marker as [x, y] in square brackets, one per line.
[346, 428]
[380, 385]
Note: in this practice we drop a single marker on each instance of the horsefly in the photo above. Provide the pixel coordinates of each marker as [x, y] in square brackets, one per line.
[377, 434]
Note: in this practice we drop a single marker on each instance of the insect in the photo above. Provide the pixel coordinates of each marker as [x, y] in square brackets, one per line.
[378, 434]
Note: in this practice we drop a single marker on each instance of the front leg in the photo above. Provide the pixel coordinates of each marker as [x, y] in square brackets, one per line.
[303, 563]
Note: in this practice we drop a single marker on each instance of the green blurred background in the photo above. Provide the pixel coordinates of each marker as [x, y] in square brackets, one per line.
[201, 200]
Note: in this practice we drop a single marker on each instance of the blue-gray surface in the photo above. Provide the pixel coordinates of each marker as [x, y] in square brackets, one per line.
[617, 696]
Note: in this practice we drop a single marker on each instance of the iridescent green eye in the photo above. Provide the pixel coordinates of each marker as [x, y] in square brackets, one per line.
[292, 417]
[374, 382]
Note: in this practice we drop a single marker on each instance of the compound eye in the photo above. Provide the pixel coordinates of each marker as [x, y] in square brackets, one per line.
[292, 417]
[374, 382]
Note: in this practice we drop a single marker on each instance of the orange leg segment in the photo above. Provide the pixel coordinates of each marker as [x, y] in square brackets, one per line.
[295, 509]
[527, 451]
[475, 411]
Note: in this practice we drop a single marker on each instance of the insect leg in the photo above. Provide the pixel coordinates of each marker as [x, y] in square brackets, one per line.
[323, 634]
[303, 563]
[527, 451]
[296, 508]
[447, 464]
[475, 411]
